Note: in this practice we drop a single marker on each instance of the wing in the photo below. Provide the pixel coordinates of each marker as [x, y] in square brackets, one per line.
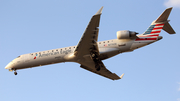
[87, 51]
[90, 36]
[90, 65]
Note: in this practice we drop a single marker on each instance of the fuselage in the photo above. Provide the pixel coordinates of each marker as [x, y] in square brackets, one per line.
[107, 49]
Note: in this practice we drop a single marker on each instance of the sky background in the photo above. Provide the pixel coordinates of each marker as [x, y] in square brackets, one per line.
[152, 73]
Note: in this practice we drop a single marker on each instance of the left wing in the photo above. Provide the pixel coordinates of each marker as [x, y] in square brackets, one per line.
[90, 65]
[90, 36]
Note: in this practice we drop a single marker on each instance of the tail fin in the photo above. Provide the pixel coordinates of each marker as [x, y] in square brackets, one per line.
[160, 23]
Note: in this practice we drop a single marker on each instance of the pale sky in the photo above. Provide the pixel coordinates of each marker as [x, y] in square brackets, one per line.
[152, 73]
[172, 3]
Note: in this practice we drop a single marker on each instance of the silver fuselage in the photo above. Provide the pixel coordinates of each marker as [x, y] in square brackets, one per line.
[107, 49]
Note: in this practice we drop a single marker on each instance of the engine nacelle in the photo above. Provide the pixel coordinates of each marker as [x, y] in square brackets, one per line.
[125, 34]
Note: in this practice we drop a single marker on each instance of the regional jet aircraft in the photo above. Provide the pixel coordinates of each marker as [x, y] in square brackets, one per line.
[89, 53]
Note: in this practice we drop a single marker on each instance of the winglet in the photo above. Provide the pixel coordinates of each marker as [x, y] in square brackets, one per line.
[121, 76]
[99, 11]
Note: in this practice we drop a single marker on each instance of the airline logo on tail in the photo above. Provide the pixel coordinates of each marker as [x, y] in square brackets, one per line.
[160, 23]
[151, 33]
[154, 30]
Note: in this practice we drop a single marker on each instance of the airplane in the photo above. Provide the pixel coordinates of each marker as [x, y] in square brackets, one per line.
[89, 53]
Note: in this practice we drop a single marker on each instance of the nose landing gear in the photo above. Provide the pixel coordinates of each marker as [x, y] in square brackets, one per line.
[15, 73]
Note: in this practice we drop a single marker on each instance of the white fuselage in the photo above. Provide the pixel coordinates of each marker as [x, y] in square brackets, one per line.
[107, 49]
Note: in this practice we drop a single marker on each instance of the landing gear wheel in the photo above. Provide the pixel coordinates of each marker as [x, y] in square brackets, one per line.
[93, 55]
[15, 73]
[97, 67]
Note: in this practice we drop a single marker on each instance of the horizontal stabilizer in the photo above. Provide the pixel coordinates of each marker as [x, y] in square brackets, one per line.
[167, 27]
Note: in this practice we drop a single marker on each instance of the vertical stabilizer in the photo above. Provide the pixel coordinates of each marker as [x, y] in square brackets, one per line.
[163, 19]
[164, 16]
[160, 23]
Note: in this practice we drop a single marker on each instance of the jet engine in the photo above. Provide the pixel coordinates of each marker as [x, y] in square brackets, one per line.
[125, 34]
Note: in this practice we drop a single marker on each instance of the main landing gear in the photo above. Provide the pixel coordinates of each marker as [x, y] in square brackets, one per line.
[96, 61]
[97, 67]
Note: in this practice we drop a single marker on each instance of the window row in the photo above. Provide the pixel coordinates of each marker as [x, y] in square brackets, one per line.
[105, 42]
[69, 48]
[53, 50]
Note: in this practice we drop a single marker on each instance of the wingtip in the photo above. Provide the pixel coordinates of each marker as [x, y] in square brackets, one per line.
[99, 11]
[121, 76]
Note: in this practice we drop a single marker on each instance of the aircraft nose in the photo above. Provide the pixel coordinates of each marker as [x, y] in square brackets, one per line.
[9, 66]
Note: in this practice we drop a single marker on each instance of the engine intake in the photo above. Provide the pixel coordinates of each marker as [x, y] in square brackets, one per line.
[125, 34]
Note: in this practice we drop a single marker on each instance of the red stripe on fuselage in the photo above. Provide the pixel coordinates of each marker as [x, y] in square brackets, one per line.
[145, 39]
[152, 35]
[149, 35]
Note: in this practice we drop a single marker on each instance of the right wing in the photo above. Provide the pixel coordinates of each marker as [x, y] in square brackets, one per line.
[89, 37]
[88, 48]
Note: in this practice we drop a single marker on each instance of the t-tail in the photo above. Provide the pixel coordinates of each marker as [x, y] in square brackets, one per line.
[160, 23]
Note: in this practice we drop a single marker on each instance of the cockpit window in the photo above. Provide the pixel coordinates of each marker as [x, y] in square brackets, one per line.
[18, 56]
